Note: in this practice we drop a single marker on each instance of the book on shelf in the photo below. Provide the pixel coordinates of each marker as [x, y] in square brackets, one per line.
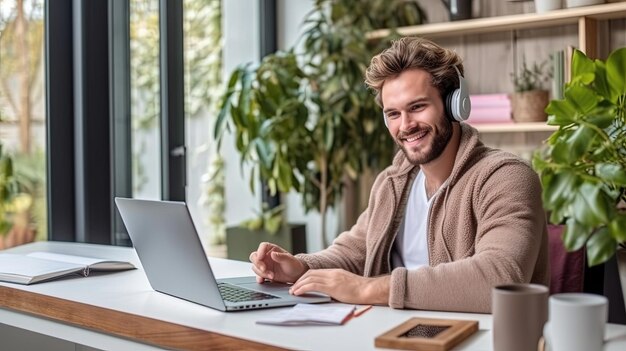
[37, 267]
[561, 70]
[558, 74]
[490, 100]
[490, 108]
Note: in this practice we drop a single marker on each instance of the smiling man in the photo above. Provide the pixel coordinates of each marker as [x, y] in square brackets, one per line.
[446, 222]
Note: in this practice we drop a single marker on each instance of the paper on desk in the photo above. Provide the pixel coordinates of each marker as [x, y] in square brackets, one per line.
[310, 314]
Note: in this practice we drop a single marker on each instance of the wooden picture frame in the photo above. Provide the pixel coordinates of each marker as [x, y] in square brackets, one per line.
[437, 334]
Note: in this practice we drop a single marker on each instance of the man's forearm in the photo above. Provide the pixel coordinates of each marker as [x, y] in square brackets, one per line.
[377, 291]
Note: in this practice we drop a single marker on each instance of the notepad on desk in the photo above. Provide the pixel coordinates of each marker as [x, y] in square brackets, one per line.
[310, 314]
[36, 267]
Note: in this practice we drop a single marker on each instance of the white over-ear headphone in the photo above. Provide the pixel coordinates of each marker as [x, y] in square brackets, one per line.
[457, 103]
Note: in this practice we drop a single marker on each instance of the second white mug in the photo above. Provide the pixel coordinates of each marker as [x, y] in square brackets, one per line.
[576, 322]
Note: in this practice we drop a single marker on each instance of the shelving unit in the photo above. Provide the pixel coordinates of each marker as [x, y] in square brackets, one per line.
[521, 138]
[586, 18]
[513, 127]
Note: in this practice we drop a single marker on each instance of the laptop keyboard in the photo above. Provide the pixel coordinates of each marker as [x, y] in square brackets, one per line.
[233, 293]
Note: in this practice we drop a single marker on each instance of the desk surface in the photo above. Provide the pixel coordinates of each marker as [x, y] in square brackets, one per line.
[106, 309]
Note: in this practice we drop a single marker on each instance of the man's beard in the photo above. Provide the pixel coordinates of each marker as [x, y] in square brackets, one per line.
[437, 144]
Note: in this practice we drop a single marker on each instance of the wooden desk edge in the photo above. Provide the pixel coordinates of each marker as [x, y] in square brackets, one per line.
[121, 324]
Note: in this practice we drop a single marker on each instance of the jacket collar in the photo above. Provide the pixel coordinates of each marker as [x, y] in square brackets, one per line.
[469, 147]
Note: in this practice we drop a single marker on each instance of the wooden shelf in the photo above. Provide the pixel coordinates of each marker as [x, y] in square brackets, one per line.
[513, 127]
[511, 22]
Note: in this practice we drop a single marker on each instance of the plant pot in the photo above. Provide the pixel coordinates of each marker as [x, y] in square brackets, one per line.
[542, 6]
[241, 241]
[459, 9]
[18, 235]
[529, 106]
[578, 3]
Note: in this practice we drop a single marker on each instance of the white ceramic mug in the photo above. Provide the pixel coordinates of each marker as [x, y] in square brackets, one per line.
[542, 6]
[576, 322]
[579, 3]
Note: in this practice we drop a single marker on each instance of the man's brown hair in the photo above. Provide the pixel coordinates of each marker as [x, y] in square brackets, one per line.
[414, 53]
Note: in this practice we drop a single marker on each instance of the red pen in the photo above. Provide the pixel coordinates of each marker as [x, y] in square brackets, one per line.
[359, 311]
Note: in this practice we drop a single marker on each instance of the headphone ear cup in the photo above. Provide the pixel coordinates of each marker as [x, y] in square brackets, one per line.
[461, 104]
[449, 106]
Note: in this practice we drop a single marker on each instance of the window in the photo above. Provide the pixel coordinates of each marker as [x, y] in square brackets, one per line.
[22, 123]
[145, 99]
[202, 37]
[128, 79]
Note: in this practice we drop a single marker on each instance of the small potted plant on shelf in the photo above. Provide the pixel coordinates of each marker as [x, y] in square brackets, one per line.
[530, 98]
[583, 166]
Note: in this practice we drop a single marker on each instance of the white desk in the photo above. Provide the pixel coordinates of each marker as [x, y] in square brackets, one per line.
[119, 311]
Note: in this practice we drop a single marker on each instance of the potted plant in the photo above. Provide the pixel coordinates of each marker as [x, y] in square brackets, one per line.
[15, 206]
[267, 226]
[583, 166]
[303, 119]
[8, 190]
[530, 98]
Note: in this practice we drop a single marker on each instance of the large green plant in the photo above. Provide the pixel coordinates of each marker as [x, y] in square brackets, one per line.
[583, 167]
[303, 118]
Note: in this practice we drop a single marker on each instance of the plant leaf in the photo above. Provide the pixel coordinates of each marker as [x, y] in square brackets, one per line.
[582, 98]
[575, 235]
[617, 228]
[590, 206]
[601, 121]
[601, 82]
[579, 142]
[561, 112]
[612, 172]
[616, 73]
[560, 153]
[581, 65]
[600, 247]
[558, 189]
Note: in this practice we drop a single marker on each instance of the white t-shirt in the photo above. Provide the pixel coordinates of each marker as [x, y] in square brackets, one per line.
[410, 248]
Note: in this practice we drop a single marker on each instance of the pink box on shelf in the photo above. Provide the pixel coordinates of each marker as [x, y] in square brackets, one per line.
[490, 108]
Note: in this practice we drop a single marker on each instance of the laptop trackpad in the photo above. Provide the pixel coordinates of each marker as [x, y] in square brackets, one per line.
[275, 288]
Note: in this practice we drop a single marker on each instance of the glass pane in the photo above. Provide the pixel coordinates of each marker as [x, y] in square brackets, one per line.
[145, 101]
[203, 65]
[22, 123]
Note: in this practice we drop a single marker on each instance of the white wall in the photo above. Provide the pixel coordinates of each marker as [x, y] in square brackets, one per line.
[242, 45]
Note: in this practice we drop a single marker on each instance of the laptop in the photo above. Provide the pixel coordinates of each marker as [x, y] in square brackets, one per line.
[175, 263]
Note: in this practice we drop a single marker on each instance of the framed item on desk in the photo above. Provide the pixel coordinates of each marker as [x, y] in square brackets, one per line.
[427, 334]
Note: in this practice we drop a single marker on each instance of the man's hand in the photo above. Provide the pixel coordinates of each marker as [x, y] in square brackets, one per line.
[344, 286]
[272, 262]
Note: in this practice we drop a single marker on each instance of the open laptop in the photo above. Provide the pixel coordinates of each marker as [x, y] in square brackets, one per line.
[175, 263]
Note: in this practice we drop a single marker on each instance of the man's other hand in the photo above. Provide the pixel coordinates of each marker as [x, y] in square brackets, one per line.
[344, 286]
[273, 262]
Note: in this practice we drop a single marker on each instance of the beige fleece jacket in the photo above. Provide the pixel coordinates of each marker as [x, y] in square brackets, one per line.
[486, 227]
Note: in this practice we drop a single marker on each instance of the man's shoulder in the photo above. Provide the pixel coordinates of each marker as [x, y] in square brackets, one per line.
[492, 156]
[493, 161]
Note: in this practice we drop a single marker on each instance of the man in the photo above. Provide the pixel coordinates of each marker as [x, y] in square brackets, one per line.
[446, 222]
